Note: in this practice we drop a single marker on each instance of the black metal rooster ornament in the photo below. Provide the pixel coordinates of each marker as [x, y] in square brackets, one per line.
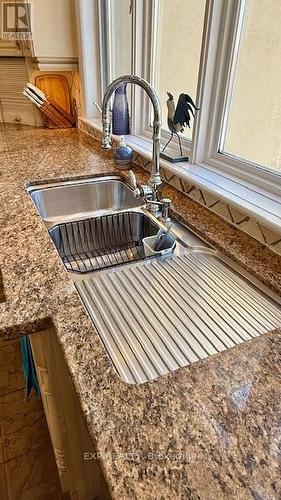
[178, 119]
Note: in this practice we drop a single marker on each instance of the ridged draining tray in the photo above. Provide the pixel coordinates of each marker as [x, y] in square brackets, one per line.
[158, 316]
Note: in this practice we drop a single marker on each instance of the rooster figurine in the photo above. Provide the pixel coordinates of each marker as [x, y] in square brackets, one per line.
[179, 117]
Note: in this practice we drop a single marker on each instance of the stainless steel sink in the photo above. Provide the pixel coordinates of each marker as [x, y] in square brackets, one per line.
[152, 315]
[72, 200]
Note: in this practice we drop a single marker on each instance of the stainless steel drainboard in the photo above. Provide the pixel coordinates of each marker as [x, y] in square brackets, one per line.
[100, 242]
[158, 316]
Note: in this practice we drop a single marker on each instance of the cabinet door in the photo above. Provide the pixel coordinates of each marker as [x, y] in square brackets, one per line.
[81, 478]
[43, 353]
[54, 35]
[14, 107]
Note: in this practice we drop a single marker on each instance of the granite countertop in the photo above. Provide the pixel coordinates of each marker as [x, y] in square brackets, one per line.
[2, 292]
[210, 430]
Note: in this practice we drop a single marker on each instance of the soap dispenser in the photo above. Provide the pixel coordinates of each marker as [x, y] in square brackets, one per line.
[123, 155]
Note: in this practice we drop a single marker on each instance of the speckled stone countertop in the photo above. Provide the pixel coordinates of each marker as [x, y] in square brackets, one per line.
[207, 431]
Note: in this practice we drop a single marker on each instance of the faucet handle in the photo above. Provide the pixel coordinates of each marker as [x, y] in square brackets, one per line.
[166, 202]
[141, 191]
[133, 182]
[132, 178]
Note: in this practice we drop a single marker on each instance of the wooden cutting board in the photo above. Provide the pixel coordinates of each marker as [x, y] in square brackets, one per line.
[56, 87]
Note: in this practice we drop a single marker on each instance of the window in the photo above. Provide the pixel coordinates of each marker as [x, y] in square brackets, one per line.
[176, 51]
[253, 128]
[121, 37]
[225, 54]
[116, 37]
[172, 49]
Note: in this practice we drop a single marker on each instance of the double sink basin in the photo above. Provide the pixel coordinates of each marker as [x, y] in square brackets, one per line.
[99, 223]
[157, 314]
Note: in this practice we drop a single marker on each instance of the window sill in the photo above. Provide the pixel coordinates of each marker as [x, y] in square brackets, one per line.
[252, 200]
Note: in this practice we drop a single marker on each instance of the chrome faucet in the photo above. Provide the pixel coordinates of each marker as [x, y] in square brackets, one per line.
[153, 205]
[149, 192]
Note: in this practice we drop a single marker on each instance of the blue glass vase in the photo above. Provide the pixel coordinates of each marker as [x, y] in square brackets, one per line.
[120, 112]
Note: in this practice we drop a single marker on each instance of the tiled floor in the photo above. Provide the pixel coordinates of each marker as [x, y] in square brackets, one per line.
[27, 465]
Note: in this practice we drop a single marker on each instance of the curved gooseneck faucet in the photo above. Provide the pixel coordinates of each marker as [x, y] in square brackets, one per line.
[155, 179]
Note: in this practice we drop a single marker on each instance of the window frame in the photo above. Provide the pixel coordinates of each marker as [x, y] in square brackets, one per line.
[220, 51]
